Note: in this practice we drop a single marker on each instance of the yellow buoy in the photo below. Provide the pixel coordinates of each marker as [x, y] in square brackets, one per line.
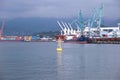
[59, 49]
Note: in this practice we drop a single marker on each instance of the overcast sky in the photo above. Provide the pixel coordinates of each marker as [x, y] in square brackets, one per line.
[57, 8]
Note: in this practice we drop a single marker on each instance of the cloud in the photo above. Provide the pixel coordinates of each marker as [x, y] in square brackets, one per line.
[57, 8]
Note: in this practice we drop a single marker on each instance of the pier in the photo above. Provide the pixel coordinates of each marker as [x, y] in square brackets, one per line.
[104, 40]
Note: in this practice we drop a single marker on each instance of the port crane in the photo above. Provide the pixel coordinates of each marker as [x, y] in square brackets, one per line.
[97, 17]
[2, 27]
[80, 19]
[95, 21]
[60, 27]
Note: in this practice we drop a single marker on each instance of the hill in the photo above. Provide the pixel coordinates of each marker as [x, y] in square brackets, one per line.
[36, 25]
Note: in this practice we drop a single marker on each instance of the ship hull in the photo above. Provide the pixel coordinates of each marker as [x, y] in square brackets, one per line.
[75, 42]
[79, 40]
[105, 40]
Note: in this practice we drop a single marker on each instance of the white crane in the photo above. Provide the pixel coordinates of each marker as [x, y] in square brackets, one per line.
[78, 31]
[65, 29]
[68, 29]
[71, 29]
[62, 30]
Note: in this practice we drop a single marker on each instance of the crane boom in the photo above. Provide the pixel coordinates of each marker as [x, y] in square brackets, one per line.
[93, 18]
[80, 18]
[60, 25]
[70, 26]
[67, 26]
[64, 25]
[100, 15]
[2, 27]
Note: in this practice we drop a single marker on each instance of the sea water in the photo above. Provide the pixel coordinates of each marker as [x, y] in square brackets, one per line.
[41, 61]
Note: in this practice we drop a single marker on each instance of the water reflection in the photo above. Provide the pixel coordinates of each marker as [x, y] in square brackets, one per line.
[82, 66]
[70, 67]
[31, 61]
[59, 64]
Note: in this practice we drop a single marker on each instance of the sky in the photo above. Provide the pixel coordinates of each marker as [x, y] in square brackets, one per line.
[57, 8]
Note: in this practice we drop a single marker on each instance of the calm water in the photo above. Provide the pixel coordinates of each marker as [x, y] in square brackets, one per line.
[40, 61]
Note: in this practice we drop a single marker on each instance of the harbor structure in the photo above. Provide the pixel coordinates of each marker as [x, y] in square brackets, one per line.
[2, 27]
[8, 38]
[91, 29]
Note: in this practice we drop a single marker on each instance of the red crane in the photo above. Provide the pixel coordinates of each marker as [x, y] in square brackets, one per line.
[2, 27]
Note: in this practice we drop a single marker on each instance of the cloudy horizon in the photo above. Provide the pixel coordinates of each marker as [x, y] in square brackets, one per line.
[57, 8]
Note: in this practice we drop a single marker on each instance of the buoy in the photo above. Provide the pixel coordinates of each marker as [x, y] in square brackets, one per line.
[59, 45]
[59, 49]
